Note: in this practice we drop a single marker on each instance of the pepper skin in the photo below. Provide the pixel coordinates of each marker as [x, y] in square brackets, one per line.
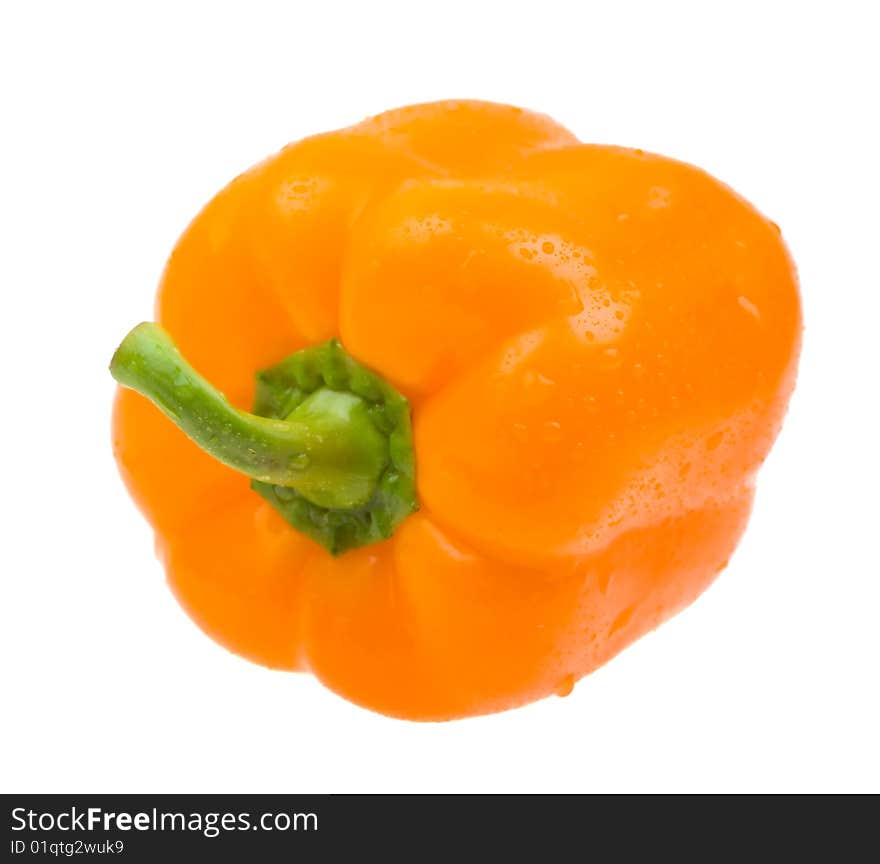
[597, 344]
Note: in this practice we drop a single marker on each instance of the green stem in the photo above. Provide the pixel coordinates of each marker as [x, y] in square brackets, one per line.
[327, 449]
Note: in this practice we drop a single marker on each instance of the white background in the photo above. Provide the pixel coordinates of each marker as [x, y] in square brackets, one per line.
[119, 120]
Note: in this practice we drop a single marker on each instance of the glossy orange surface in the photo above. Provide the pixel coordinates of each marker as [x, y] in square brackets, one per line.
[598, 344]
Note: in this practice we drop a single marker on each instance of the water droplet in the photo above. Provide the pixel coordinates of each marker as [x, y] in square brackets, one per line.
[299, 462]
[591, 405]
[621, 620]
[552, 431]
[520, 432]
[284, 493]
[611, 358]
[749, 307]
[270, 525]
[531, 378]
[565, 686]
[658, 197]
[713, 441]
[548, 248]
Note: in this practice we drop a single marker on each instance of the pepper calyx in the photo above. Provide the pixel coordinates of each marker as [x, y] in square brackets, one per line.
[286, 388]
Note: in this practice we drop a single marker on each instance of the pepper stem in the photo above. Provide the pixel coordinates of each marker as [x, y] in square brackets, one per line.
[327, 449]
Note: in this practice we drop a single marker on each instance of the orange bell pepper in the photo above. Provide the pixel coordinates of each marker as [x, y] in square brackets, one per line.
[595, 346]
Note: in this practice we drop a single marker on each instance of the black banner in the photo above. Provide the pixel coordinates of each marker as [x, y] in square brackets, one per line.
[136, 828]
